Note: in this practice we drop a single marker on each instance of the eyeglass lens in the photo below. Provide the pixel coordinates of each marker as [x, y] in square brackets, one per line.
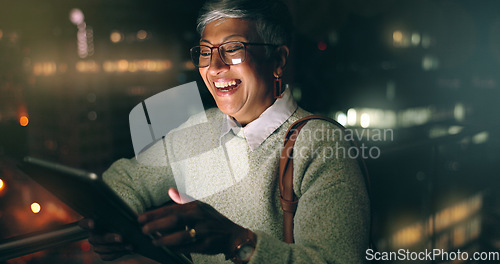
[231, 53]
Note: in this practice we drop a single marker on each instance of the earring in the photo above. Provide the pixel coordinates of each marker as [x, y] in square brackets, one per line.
[278, 87]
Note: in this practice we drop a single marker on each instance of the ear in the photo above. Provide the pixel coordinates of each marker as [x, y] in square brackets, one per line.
[280, 59]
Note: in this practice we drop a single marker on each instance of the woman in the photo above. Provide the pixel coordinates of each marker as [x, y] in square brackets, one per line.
[242, 55]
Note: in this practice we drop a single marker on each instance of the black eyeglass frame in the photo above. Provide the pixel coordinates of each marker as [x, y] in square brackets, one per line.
[220, 55]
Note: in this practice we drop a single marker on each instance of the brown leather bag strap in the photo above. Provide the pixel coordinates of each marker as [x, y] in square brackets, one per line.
[288, 198]
[287, 195]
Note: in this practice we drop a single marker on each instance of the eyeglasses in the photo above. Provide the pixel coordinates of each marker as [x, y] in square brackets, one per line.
[231, 53]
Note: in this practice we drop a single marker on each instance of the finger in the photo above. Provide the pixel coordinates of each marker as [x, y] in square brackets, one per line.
[86, 223]
[159, 213]
[174, 209]
[165, 225]
[180, 238]
[179, 198]
[175, 195]
[109, 238]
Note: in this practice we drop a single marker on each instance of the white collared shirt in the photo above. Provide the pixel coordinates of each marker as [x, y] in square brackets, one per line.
[258, 130]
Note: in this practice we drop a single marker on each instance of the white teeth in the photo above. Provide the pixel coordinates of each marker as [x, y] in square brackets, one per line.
[224, 84]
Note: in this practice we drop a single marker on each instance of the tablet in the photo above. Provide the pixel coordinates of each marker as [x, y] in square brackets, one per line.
[88, 195]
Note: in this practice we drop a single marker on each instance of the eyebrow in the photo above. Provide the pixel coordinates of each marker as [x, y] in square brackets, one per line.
[223, 40]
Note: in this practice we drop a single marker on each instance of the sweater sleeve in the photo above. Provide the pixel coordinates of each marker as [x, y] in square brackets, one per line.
[142, 184]
[331, 224]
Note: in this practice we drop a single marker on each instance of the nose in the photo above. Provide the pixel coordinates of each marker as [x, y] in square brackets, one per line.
[216, 64]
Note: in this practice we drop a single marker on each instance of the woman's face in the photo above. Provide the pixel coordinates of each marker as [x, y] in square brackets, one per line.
[251, 92]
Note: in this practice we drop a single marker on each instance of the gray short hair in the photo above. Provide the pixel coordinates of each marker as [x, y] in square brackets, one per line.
[272, 17]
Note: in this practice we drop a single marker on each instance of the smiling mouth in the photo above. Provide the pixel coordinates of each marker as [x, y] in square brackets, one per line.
[227, 86]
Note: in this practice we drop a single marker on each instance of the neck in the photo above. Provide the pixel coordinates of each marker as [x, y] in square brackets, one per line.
[247, 119]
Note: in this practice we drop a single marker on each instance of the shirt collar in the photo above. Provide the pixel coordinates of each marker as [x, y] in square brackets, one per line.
[258, 130]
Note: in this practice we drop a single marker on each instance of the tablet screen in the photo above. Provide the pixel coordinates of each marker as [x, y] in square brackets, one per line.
[87, 194]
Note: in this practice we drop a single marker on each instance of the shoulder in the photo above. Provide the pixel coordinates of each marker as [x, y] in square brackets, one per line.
[298, 114]
[316, 130]
[301, 113]
[321, 155]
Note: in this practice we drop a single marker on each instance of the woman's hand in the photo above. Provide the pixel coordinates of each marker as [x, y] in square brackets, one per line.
[109, 246]
[191, 227]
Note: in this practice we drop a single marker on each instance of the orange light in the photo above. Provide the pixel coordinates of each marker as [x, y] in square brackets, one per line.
[35, 208]
[116, 37]
[122, 65]
[1, 184]
[397, 36]
[23, 121]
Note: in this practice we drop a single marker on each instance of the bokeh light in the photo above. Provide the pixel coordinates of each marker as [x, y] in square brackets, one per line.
[341, 118]
[76, 16]
[351, 117]
[23, 121]
[35, 208]
[142, 34]
[322, 46]
[116, 37]
[397, 36]
[365, 120]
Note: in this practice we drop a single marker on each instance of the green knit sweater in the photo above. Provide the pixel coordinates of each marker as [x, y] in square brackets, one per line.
[331, 224]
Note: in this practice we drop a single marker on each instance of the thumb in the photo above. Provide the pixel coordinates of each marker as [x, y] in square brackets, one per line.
[178, 197]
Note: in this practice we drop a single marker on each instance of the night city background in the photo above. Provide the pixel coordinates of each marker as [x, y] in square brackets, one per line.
[429, 71]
